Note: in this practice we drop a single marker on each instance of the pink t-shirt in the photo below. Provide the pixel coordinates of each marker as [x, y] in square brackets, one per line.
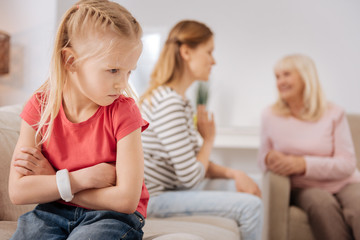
[325, 144]
[79, 145]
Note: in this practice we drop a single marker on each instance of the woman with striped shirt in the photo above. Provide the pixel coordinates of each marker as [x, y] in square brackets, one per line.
[175, 163]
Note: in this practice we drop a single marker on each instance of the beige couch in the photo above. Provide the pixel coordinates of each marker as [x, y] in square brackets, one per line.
[195, 227]
[289, 222]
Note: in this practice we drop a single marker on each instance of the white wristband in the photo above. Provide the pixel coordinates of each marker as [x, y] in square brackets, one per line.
[63, 184]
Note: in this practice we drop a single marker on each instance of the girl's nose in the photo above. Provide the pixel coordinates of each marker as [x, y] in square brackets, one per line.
[120, 82]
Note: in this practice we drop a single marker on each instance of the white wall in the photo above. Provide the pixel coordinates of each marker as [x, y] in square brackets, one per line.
[31, 26]
[250, 36]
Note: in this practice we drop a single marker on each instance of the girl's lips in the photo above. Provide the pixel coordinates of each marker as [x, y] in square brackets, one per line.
[114, 96]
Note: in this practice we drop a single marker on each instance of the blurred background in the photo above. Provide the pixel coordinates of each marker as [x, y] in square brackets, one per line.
[250, 36]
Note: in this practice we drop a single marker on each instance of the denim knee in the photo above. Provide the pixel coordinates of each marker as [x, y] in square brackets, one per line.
[114, 225]
[253, 211]
[251, 219]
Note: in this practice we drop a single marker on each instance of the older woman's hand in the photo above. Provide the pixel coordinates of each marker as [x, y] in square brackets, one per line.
[284, 164]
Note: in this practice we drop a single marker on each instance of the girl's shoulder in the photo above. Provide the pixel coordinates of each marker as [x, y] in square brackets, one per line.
[38, 97]
[122, 103]
[35, 101]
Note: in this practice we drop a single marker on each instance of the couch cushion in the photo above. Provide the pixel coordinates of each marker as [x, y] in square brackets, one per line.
[7, 228]
[179, 236]
[9, 133]
[206, 227]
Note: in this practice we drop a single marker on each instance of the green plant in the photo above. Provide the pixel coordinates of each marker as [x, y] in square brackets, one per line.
[202, 93]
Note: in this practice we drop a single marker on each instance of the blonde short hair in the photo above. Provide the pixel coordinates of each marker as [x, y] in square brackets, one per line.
[313, 97]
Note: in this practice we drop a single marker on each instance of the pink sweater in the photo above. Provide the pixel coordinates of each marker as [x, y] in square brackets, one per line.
[325, 144]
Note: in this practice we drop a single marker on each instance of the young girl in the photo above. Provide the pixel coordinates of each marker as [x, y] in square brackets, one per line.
[174, 160]
[79, 153]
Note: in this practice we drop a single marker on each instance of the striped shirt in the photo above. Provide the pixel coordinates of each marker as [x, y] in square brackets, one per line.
[170, 143]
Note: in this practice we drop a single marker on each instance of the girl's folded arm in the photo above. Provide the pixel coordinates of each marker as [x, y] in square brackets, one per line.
[29, 189]
[125, 196]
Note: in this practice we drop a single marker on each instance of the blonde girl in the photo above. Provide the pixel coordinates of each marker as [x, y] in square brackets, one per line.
[307, 138]
[176, 165]
[79, 153]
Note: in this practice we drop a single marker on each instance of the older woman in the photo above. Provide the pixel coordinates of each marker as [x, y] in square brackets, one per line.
[175, 163]
[308, 139]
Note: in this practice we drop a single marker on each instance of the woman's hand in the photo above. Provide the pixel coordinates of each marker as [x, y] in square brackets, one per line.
[205, 124]
[244, 183]
[30, 161]
[284, 164]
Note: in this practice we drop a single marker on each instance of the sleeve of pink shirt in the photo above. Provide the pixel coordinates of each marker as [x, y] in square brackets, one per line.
[343, 162]
[265, 142]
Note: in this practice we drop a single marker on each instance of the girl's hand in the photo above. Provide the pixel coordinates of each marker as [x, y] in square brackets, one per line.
[30, 161]
[244, 183]
[205, 124]
[285, 165]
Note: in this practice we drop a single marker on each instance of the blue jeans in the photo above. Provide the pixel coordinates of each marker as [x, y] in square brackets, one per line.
[245, 209]
[55, 221]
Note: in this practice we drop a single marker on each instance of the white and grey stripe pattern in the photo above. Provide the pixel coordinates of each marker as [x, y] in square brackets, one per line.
[170, 143]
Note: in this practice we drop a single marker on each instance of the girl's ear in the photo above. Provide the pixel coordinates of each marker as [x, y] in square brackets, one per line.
[68, 57]
[185, 52]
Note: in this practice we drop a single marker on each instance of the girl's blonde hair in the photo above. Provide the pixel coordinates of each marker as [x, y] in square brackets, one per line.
[313, 97]
[78, 22]
[170, 64]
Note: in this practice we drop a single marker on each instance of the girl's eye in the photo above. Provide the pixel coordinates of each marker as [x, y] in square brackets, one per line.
[114, 70]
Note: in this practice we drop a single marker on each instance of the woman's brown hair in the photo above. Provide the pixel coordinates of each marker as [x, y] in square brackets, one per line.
[170, 64]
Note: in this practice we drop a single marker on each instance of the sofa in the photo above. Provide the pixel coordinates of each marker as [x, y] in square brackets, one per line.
[186, 227]
[287, 222]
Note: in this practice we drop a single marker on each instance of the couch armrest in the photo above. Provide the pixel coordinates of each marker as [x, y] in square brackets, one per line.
[276, 197]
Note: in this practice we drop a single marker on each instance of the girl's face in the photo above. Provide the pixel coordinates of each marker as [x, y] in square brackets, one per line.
[201, 60]
[102, 80]
[289, 84]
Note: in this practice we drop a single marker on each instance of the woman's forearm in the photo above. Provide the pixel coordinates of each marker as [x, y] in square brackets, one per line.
[203, 155]
[218, 171]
